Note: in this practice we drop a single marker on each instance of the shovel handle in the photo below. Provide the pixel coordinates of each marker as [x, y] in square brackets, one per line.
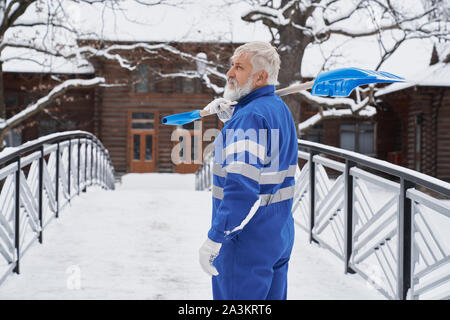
[204, 113]
[296, 88]
[280, 92]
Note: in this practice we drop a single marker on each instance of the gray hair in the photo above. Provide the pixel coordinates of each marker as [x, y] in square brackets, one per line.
[263, 57]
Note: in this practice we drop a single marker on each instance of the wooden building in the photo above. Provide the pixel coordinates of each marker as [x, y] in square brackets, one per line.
[411, 127]
[126, 115]
[130, 114]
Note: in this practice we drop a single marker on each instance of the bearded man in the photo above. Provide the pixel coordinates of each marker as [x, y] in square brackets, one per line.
[249, 244]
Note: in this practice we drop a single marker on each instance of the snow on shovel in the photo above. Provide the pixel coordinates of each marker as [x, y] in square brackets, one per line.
[334, 83]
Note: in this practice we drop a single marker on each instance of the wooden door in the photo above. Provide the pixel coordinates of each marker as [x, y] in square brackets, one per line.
[142, 141]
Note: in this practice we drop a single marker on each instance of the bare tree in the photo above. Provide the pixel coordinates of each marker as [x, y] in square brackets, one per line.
[295, 25]
[43, 31]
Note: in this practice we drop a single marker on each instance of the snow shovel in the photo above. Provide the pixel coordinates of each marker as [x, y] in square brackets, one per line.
[334, 83]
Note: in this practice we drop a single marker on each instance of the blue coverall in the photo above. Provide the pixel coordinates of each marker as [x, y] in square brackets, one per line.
[250, 170]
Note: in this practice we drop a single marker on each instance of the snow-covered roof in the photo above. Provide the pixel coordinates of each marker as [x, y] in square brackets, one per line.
[437, 74]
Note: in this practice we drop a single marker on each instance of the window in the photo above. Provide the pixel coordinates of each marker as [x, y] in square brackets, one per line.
[143, 120]
[357, 137]
[137, 147]
[188, 85]
[315, 133]
[148, 147]
[51, 126]
[12, 101]
[347, 137]
[143, 79]
[47, 127]
[13, 137]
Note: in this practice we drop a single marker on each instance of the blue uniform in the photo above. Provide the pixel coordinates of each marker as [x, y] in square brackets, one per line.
[255, 159]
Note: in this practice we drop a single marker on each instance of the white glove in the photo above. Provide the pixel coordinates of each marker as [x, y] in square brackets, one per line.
[207, 253]
[222, 107]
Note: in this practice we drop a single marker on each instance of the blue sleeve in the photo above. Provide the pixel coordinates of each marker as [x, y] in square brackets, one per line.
[244, 151]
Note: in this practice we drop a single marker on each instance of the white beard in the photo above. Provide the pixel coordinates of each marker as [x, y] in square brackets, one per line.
[237, 93]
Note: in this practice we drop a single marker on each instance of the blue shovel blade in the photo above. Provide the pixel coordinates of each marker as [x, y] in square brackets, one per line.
[341, 82]
[181, 118]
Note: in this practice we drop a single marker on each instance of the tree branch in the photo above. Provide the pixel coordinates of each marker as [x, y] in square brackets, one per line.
[49, 98]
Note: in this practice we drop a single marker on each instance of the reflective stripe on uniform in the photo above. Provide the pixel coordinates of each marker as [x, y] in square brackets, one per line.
[218, 170]
[245, 145]
[252, 172]
[281, 195]
[277, 177]
[266, 199]
[245, 169]
[217, 192]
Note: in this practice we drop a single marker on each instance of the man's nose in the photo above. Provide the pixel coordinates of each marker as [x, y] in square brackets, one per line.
[230, 73]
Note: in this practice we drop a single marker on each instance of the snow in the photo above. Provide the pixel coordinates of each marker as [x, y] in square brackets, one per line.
[203, 21]
[435, 75]
[210, 21]
[141, 241]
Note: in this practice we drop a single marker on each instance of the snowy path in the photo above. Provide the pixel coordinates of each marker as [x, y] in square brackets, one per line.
[141, 242]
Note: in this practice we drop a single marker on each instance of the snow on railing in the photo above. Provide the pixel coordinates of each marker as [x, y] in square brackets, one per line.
[374, 216]
[31, 195]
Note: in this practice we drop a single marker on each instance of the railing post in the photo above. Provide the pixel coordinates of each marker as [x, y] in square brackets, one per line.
[404, 241]
[208, 177]
[196, 181]
[57, 181]
[312, 195]
[348, 212]
[17, 218]
[78, 177]
[204, 177]
[41, 189]
[104, 169]
[92, 157]
[85, 164]
[96, 163]
[102, 177]
[70, 162]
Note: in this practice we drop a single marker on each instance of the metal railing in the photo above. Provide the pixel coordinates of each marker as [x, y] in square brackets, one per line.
[204, 175]
[32, 195]
[386, 230]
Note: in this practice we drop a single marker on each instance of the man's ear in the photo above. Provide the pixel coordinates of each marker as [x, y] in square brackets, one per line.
[261, 78]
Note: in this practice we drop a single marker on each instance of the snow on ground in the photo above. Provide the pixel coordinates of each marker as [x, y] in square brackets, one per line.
[141, 242]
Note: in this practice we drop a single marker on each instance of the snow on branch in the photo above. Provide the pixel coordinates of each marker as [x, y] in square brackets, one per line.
[109, 52]
[333, 113]
[195, 73]
[390, 19]
[50, 97]
[270, 16]
[330, 108]
[337, 103]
